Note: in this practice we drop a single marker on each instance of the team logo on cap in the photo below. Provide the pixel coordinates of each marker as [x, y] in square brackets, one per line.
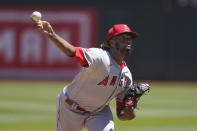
[126, 28]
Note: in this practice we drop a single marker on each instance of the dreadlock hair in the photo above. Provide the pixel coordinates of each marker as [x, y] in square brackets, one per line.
[105, 45]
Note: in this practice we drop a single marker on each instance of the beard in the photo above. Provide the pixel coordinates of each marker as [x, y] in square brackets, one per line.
[125, 52]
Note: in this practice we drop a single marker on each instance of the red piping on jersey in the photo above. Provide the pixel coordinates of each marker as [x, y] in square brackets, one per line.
[79, 57]
[123, 64]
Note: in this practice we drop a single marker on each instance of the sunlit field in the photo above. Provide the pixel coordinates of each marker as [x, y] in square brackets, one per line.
[31, 106]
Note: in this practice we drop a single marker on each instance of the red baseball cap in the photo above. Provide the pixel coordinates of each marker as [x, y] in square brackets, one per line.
[120, 29]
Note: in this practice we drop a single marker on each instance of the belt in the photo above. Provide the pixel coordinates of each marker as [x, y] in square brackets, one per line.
[76, 107]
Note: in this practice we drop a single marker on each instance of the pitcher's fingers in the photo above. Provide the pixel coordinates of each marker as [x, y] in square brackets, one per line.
[32, 20]
[46, 24]
[39, 25]
[40, 30]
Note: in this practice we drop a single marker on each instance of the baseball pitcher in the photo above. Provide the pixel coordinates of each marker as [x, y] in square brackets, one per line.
[104, 75]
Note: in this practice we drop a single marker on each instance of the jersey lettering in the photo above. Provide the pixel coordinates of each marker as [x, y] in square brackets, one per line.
[113, 81]
[105, 81]
[123, 83]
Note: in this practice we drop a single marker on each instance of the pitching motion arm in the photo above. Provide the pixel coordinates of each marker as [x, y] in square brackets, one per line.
[46, 28]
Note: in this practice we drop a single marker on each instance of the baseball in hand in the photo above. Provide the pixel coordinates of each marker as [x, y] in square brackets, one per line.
[36, 16]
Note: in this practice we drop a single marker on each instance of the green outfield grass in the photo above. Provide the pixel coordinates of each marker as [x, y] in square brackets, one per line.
[31, 106]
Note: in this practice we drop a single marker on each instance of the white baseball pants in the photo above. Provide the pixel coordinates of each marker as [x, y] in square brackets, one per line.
[70, 120]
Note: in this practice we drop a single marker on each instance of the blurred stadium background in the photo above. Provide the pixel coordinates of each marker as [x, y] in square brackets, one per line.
[33, 71]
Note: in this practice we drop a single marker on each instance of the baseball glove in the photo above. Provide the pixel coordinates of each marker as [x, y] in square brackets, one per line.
[133, 94]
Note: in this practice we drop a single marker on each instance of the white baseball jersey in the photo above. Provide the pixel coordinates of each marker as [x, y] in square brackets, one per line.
[100, 80]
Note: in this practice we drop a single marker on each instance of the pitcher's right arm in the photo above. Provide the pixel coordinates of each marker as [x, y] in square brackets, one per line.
[45, 28]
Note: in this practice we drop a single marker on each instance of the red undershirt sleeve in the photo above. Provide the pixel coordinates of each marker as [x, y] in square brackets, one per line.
[118, 105]
[79, 57]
